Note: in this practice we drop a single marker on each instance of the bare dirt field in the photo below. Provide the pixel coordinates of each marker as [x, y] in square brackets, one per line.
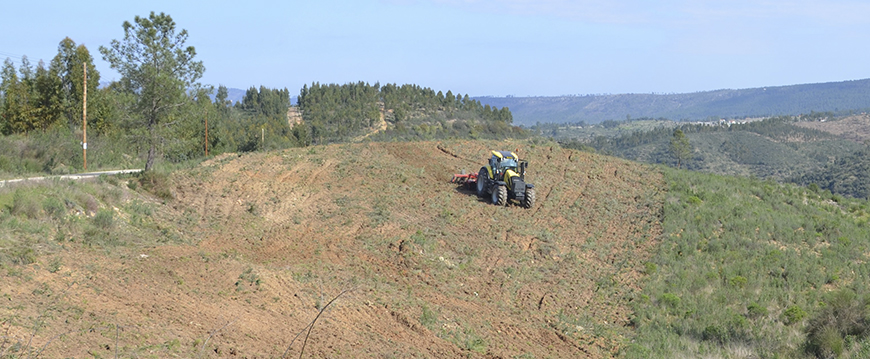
[424, 267]
[855, 128]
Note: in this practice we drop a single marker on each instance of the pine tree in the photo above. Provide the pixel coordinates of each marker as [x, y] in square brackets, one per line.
[158, 69]
[680, 147]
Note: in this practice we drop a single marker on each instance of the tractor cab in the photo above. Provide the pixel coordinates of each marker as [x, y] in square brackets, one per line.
[501, 161]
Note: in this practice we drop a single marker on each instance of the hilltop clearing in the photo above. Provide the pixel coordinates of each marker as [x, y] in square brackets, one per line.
[248, 248]
[855, 128]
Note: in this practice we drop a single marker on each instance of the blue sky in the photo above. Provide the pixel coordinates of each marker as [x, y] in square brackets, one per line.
[481, 47]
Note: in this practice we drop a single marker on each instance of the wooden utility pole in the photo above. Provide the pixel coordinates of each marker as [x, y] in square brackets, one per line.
[206, 132]
[85, 117]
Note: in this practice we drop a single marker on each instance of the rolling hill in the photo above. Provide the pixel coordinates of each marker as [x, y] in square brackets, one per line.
[242, 250]
[725, 103]
[366, 250]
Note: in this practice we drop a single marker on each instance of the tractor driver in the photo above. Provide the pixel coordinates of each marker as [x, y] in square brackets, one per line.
[499, 165]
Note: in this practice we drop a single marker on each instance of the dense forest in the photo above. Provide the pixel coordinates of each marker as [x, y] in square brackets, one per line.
[849, 175]
[338, 113]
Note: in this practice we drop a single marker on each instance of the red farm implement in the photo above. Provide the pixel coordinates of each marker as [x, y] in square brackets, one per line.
[468, 180]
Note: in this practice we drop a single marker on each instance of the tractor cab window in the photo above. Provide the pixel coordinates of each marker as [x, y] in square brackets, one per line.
[509, 163]
[499, 165]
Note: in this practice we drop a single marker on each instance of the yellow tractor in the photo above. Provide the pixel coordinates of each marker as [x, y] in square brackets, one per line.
[504, 178]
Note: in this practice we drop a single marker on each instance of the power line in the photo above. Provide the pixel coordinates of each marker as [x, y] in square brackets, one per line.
[9, 54]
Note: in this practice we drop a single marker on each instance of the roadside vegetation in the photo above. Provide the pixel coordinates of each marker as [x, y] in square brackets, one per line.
[111, 212]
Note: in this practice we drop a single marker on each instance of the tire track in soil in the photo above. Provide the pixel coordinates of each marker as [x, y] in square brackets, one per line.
[451, 154]
[358, 326]
[561, 183]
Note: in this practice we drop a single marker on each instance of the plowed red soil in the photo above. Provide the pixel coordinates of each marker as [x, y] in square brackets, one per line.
[425, 267]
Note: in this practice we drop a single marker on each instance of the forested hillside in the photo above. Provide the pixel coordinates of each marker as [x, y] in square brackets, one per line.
[340, 113]
[41, 116]
[788, 148]
[773, 148]
[848, 175]
[726, 103]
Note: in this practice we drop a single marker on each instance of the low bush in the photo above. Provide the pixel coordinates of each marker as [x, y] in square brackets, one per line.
[844, 315]
[157, 183]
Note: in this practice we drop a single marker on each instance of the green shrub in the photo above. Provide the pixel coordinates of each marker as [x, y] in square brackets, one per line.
[54, 208]
[827, 343]
[793, 314]
[25, 204]
[716, 333]
[755, 310]
[104, 219]
[55, 265]
[844, 315]
[23, 255]
[469, 340]
[250, 278]
[428, 318]
[112, 180]
[738, 281]
[649, 268]
[670, 300]
[157, 183]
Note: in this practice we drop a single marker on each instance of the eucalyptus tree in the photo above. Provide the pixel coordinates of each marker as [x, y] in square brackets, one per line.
[17, 111]
[68, 67]
[159, 71]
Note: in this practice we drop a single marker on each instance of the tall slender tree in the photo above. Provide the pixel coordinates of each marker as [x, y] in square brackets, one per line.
[18, 109]
[46, 98]
[158, 68]
[67, 67]
[680, 147]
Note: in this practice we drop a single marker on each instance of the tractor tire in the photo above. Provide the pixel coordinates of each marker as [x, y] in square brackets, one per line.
[499, 196]
[482, 178]
[529, 198]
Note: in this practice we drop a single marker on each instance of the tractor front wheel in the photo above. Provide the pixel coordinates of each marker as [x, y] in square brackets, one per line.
[499, 196]
[482, 177]
[529, 198]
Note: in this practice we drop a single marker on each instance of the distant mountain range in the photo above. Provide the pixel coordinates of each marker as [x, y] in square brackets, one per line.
[753, 102]
[233, 94]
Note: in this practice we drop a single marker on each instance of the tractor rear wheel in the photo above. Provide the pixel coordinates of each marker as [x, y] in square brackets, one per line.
[529, 198]
[499, 196]
[481, 182]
